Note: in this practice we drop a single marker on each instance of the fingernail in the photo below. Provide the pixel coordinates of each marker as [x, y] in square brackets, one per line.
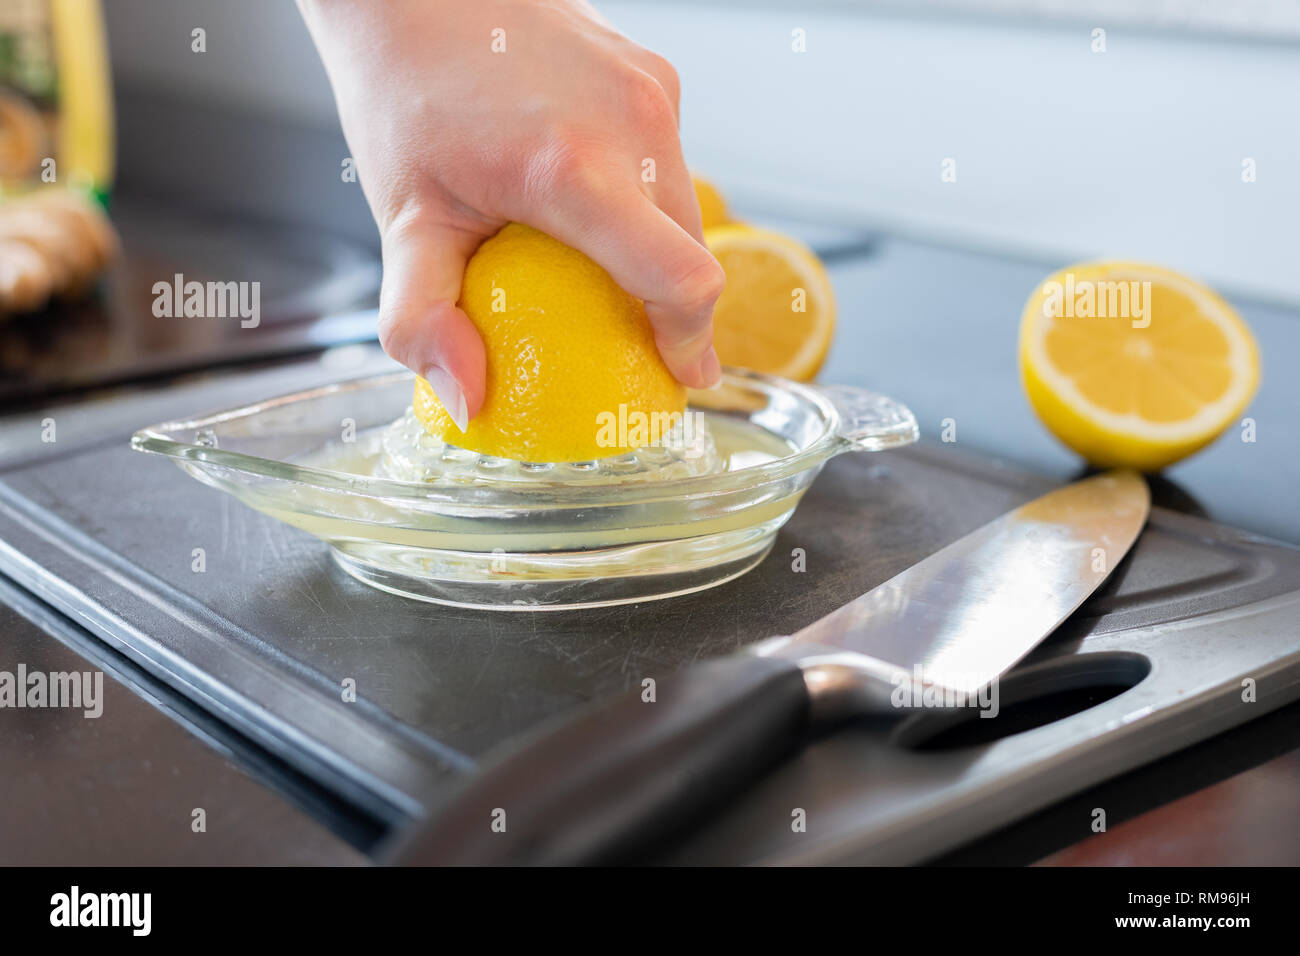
[710, 369]
[450, 394]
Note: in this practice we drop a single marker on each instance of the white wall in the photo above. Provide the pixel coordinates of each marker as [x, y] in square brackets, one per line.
[259, 55]
[1060, 153]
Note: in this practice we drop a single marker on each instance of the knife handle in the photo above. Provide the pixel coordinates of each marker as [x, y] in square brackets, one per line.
[609, 784]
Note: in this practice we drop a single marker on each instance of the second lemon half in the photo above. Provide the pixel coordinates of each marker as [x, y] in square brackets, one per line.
[1134, 365]
[777, 314]
[566, 349]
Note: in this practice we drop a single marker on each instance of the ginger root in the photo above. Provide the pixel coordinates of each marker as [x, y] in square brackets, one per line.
[53, 244]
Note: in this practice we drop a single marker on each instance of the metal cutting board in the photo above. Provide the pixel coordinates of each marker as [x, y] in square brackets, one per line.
[265, 636]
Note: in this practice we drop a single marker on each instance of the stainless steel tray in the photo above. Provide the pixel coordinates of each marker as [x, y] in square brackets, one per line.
[265, 637]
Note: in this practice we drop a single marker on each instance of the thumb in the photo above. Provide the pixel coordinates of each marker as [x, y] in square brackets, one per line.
[419, 323]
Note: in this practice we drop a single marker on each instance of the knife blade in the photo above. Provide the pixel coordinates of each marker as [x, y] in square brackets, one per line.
[609, 784]
[966, 614]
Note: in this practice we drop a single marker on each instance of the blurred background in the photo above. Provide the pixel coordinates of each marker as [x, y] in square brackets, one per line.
[1061, 152]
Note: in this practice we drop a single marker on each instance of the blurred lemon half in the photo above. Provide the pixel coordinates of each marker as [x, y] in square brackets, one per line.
[566, 347]
[777, 313]
[713, 208]
[1134, 365]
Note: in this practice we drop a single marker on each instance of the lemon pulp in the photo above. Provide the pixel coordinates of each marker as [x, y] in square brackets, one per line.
[777, 313]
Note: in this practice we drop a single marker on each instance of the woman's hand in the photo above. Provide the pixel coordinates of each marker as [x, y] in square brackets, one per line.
[463, 115]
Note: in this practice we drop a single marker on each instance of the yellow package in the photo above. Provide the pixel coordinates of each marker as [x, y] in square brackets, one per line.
[56, 106]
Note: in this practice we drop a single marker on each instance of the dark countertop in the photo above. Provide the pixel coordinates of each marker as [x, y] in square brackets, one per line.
[1234, 822]
[122, 788]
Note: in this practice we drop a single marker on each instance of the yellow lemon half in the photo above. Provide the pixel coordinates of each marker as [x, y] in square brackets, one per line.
[713, 208]
[777, 313]
[566, 347]
[1134, 365]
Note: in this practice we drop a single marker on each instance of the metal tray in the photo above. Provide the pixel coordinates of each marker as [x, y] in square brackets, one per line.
[266, 636]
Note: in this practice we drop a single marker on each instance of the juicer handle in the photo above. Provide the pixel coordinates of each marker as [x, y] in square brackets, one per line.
[869, 421]
[613, 783]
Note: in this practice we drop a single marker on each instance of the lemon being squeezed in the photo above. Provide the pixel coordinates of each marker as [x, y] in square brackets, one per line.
[573, 374]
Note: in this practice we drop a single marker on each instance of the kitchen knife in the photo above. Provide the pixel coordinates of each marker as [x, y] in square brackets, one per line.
[610, 784]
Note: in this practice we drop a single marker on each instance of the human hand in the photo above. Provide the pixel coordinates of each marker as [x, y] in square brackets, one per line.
[453, 139]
